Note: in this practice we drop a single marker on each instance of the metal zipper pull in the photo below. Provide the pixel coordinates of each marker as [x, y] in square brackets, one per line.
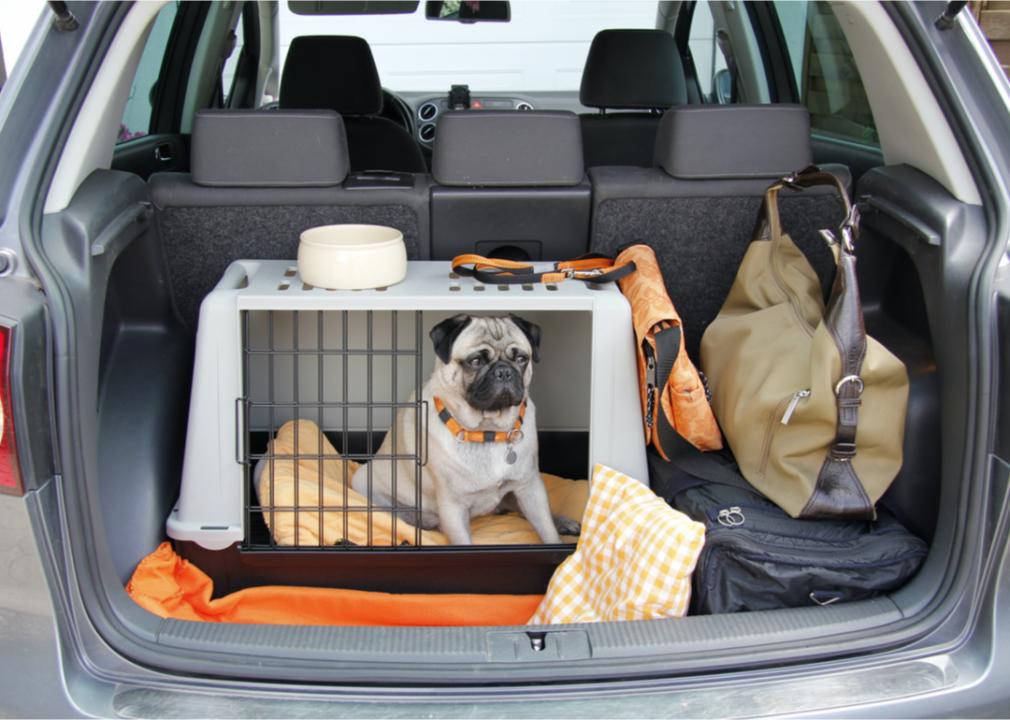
[791, 407]
[731, 517]
[650, 378]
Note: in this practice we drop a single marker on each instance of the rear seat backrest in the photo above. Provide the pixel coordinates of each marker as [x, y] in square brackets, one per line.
[258, 180]
[698, 207]
[509, 184]
[628, 70]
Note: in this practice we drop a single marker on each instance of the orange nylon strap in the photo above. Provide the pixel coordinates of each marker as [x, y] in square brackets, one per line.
[597, 269]
[590, 263]
[482, 263]
[479, 436]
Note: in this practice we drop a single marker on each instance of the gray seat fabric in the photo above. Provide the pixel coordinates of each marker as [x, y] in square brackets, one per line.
[698, 209]
[628, 70]
[509, 185]
[226, 209]
[337, 72]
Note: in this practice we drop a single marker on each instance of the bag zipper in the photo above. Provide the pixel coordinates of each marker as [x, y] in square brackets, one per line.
[742, 548]
[781, 283]
[791, 407]
[781, 415]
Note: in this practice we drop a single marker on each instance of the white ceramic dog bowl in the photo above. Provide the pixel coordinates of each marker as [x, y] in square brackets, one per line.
[352, 257]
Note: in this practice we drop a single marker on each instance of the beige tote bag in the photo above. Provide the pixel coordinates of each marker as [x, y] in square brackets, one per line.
[813, 409]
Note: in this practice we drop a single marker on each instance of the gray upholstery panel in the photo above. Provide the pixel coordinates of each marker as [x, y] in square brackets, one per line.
[177, 189]
[200, 242]
[204, 229]
[508, 149]
[700, 232]
[733, 141]
[639, 182]
[305, 148]
[633, 69]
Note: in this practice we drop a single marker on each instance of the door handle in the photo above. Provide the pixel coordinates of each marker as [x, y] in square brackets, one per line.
[163, 153]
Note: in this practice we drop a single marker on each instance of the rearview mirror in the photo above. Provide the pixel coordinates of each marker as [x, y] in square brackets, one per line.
[468, 11]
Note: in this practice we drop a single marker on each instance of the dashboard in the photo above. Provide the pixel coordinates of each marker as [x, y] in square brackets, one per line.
[428, 110]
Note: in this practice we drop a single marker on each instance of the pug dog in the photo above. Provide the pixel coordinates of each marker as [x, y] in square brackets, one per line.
[482, 433]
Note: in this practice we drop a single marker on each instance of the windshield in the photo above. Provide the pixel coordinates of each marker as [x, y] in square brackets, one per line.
[543, 48]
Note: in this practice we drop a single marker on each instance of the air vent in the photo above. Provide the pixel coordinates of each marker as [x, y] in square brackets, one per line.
[427, 111]
[523, 105]
[426, 132]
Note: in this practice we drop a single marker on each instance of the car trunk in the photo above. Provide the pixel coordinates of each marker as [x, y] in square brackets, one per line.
[133, 369]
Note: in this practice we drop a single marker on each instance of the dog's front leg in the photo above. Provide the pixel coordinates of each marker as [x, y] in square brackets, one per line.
[535, 507]
[454, 521]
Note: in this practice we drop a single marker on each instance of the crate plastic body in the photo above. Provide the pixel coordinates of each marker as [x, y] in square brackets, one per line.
[210, 511]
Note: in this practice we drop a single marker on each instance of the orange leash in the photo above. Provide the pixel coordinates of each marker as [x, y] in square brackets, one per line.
[588, 268]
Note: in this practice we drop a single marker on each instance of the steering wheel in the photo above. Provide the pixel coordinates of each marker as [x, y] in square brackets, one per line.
[395, 109]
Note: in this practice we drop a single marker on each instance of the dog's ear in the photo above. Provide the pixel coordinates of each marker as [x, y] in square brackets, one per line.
[532, 333]
[445, 333]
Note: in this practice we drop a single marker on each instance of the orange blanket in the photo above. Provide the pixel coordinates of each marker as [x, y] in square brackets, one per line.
[171, 587]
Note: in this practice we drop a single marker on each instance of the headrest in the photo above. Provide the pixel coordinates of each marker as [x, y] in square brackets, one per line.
[508, 148]
[235, 148]
[633, 69]
[733, 141]
[331, 72]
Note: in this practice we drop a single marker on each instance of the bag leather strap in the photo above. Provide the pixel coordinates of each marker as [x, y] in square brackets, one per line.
[838, 493]
[593, 267]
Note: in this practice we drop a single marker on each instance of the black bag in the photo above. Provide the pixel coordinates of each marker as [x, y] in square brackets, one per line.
[756, 557]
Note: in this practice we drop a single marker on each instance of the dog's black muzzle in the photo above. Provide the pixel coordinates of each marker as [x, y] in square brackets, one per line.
[498, 386]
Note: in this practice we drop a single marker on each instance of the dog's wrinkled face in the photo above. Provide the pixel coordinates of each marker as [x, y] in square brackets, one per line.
[488, 360]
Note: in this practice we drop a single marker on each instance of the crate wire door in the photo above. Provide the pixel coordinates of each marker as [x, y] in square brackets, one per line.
[312, 342]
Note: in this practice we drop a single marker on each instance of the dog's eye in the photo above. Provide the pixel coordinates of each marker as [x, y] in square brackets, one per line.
[521, 359]
[476, 361]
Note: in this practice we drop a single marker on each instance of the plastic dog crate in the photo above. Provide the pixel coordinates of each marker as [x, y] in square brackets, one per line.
[271, 349]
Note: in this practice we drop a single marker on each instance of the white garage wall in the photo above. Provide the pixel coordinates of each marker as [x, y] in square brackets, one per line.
[543, 47]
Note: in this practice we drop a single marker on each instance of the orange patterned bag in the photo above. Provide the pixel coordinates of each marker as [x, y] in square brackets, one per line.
[673, 394]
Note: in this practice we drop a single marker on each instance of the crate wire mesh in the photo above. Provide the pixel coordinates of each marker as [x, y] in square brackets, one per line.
[308, 359]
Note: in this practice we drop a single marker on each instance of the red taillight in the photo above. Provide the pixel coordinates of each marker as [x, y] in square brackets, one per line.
[10, 475]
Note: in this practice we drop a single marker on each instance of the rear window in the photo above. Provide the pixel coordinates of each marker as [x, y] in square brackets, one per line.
[825, 72]
[542, 48]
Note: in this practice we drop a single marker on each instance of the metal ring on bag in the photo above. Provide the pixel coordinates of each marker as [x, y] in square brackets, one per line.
[847, 379]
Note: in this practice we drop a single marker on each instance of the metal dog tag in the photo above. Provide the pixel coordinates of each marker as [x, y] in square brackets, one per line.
[510, 457]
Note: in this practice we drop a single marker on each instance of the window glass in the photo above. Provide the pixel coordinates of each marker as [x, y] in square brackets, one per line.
[542, 48]
[708, 59]
[137, 115]
[826, 76]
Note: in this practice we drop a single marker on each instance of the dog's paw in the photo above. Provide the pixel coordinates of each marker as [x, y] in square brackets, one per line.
[567, 526]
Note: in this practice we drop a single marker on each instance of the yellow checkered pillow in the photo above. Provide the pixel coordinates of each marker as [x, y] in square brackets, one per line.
[633, 561]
